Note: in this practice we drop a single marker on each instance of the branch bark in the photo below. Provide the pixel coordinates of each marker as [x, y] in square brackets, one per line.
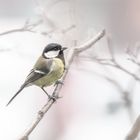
[133, 134]
[73, 52]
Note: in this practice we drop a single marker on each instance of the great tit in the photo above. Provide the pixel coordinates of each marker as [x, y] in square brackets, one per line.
[48, 69]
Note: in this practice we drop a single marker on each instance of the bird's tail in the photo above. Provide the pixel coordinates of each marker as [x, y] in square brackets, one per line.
[22, 87]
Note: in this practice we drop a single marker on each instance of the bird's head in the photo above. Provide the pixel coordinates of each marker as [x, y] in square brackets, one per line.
[53, 50]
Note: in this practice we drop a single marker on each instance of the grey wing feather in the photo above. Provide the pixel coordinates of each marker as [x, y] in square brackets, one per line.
[34, 75]
[39, 71]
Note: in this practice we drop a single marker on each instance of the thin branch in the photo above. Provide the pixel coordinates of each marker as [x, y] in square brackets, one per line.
[118, 66]
[26, 28]
[133, 134]
[73, 52]
[134, 61]
[88, 44]
[113, 63]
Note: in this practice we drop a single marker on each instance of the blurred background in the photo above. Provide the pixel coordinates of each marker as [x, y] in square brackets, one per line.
[101, 92]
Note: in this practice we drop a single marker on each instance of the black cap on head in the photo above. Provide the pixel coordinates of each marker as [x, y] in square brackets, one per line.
[51, 47]
[54, 47]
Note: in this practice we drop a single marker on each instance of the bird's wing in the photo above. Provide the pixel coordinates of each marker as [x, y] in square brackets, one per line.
[34, 75]
[40, 69]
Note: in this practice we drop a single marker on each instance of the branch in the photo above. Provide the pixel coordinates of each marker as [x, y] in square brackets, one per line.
[133, 134]
[26, 28]
[113, 63]
[29, 27]
[91, 42]
[48, 105]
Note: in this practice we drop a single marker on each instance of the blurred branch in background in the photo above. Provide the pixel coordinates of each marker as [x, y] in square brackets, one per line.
[27, 27]
[113, 63]
[134, 54]
[73, 52]
[126, 94]
[30, 27]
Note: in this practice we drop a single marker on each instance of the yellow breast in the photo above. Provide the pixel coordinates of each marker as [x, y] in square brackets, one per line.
[57, 70]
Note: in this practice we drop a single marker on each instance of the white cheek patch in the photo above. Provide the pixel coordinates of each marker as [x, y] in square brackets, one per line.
[51, 54]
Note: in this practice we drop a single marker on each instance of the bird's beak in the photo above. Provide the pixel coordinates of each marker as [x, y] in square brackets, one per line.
[64, 48]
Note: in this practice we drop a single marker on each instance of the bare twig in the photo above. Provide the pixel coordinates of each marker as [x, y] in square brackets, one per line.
[26, 28]
[133, 55]
[113, 63]
[73, 52]
[88, 44]
[133, 134]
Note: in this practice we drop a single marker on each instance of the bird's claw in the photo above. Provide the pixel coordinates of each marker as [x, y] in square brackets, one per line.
[58, 82]
[54, 98]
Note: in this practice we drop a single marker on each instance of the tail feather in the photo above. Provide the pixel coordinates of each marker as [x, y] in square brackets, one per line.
[22, 87]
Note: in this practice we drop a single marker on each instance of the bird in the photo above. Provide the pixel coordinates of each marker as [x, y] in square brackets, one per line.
[47, 70]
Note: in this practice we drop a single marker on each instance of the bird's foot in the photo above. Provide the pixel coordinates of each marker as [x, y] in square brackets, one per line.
[58, 82]
[54, 97]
